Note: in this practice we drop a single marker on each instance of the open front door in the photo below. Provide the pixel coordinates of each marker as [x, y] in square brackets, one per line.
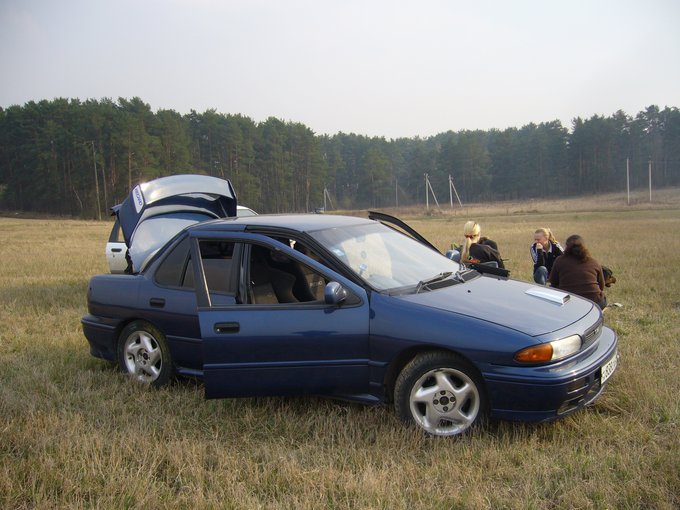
[400, 226]
[263, 334]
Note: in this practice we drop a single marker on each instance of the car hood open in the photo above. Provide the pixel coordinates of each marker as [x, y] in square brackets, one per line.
[521, 306]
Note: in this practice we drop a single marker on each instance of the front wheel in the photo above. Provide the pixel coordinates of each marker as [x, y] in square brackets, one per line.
[441, 393]
[143, 353]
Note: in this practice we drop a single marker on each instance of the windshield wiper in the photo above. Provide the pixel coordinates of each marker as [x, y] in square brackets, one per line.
[462, 274]
[437, 278]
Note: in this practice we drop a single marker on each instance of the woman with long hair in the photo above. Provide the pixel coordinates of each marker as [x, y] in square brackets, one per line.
[478, 249]
[544, 251]
[578, 272]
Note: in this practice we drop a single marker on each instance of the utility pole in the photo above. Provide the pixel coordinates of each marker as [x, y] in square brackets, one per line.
[650, 180]
[453, 187]
[427, 193]
[96, 182]
[106, 196]
[450, 193]
[427, 197]
[628, 179]
[326, 195]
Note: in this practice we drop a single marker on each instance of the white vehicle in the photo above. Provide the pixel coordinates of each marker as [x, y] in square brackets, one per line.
[116, 250]
[243, 211]
[157, 210]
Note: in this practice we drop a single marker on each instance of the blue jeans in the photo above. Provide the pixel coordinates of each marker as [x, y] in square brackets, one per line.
[541, 275]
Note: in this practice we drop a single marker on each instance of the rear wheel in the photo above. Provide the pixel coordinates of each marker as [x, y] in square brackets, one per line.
[441, 393]
[143, 353]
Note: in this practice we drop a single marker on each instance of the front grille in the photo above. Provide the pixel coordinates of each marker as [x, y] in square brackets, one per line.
[592, 334]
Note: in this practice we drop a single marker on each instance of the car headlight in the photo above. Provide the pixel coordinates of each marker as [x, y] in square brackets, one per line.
[552, 351]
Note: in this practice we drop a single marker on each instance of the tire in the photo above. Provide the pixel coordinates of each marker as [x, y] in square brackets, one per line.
[143, 354]
[441, 393]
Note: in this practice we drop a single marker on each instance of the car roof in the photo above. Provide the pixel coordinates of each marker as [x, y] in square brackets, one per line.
[298, 222]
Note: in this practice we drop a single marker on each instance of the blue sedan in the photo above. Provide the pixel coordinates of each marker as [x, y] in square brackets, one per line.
[350, 308]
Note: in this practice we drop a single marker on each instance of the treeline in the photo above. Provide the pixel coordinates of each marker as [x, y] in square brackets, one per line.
[80, 158]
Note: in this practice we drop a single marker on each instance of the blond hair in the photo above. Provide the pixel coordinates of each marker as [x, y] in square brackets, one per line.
[546, 232]
[471, 231]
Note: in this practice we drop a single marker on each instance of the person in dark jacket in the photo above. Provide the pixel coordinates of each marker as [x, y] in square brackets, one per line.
[474, 250]
[578, 272]
[544, 251]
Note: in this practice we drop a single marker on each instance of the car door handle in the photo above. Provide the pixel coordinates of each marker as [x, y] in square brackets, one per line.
[227, 327]
[116, 250]
[157, 302]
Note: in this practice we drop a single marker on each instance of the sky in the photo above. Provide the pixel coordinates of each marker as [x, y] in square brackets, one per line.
[388, 68]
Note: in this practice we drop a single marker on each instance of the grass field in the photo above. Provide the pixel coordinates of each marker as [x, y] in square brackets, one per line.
[75, 433]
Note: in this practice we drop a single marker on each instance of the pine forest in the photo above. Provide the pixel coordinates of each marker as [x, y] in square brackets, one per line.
[79, 158]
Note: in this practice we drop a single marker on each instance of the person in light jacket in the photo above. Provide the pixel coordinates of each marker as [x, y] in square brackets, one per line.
[544, 251]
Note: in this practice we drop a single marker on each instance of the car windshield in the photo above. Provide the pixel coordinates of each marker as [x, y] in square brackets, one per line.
[385, 259]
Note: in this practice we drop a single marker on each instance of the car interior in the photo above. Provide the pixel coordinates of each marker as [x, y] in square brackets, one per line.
[217, 257]
[276, 278]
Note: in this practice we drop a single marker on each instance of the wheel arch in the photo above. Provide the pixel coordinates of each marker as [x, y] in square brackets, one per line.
[165, 359]
[404, 357]
[126, 322]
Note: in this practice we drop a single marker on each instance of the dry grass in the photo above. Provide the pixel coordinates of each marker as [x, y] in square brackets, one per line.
[668, 198]
[74, 433]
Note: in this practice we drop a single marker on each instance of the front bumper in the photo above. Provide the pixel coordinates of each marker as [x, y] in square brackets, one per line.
[544, 393]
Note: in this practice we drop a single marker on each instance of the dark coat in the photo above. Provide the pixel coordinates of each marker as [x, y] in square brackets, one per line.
[582, 278]
[486, 253]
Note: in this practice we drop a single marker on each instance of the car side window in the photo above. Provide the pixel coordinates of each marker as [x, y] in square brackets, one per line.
[276, 278]
[217, 258]
[171, 272]
[116, 235]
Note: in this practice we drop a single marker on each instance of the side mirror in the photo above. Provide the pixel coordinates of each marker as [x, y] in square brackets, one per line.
[334, 294]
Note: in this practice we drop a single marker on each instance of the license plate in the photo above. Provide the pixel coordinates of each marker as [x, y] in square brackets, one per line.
[608, 369]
